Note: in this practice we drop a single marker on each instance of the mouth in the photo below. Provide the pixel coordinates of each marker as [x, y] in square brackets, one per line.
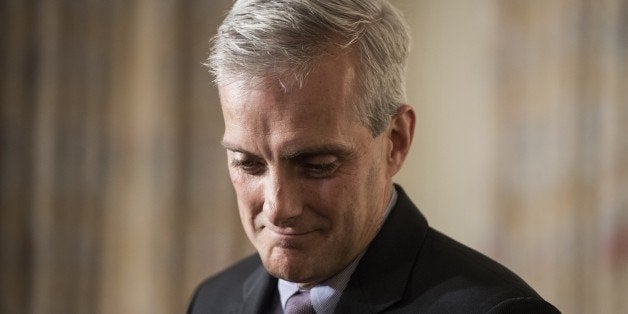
[289, 232]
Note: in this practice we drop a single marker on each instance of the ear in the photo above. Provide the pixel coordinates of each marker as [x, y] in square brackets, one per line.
[400, 133]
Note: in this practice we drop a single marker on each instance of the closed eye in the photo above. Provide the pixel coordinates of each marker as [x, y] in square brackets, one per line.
[319, 170]
[252, 167]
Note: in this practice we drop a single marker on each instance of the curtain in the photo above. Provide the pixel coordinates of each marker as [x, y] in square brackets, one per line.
[114, 191]
[521, 147]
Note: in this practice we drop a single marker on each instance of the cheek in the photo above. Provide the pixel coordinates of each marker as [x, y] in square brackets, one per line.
[350, 196]
[336, 200]
[244, 185]
[249, 200]
[236, 177]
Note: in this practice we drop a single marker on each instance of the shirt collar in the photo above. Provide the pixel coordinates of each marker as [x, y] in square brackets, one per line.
[326, 295]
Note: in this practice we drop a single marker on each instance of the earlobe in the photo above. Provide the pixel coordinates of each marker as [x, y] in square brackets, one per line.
[401, 133]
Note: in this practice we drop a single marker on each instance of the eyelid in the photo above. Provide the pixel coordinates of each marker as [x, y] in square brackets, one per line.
[321, 166]
[240, 162]
[246, 160]
[248, 164]
[319, 170]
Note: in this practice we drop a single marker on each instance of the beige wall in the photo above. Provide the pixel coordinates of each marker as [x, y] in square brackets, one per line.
[114, 193]
[520, 148]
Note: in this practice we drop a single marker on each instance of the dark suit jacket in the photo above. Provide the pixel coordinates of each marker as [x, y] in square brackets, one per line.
[408, 268]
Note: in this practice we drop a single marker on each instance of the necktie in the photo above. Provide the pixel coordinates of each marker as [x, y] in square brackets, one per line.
[300, 303]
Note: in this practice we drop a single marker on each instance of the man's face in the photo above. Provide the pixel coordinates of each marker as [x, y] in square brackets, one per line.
[311, 181]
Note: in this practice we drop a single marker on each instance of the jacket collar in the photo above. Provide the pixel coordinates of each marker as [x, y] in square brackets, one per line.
[258, 291]
[381, 277]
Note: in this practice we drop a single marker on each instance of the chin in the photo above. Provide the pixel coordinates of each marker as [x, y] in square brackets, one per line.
[290, 266]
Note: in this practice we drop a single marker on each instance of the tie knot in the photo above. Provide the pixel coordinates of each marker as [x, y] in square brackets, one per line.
[300, 303]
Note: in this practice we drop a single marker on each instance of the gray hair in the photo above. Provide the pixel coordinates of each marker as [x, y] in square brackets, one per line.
[284, 39]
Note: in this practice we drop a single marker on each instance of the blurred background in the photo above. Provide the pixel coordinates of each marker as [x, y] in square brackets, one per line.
[113, 186]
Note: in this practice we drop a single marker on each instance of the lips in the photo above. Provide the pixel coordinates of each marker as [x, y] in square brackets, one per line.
[289, 232]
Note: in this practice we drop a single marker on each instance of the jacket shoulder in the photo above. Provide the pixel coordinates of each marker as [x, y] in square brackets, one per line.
[524, 306]
[452, 277]
[224, 290]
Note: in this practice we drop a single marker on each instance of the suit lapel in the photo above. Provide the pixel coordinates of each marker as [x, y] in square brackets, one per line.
[380, 279]
[257, 291]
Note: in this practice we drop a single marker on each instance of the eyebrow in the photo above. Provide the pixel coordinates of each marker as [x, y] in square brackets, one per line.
[234, 148]
[341, 150]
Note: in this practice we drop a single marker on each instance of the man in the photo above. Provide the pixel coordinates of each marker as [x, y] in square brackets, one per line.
[316, 126]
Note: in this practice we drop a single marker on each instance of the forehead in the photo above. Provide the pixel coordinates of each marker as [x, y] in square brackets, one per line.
[321, 109]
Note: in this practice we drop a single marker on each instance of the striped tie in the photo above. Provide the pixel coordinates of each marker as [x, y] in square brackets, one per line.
[300, 303]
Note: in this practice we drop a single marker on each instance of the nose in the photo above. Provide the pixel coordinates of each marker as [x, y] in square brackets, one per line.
[281, 199]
